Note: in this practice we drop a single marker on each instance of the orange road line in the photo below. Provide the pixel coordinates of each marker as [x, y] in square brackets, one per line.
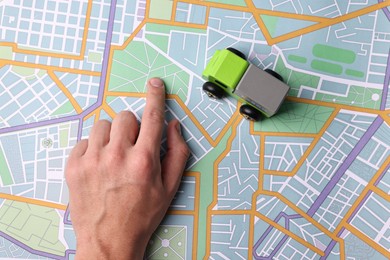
[105, 106]
[174, 9]
[330, 22]
[260, 22]
[251, 235]
[17, 49]
[147, 8]
[309, 149]
[48, 67]
[66, 92]
[256, 11]
[302, 17]
[182, 212]
[227, 126]
[86, 29]
[109, 110]
[97, 115]
[196, 209]
[386, 117]
[232, 212]
[261, 165]
[342, 249]
[298, 210]
[33, 201]
[193, 212]
[127, 42]
[218, 5]
[207, 16]
[285, 134]
[179, 24]
[317, 138]
[215, 182]
[290, 234]
[381, 193]
[334, 105]
[367, 240]
[369, 187]
[251, 8]
[89, 115]
[185, 108]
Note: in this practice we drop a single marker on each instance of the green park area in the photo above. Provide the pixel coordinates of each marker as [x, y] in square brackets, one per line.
[5, 173]
[133, 66]
[296, 117]
[358, 96]
[34, 226]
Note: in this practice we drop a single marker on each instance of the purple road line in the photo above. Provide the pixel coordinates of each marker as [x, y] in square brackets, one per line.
[329, 249]
[386, 83]
[367, 195]
[39, 124]
[277, 248]
[382, 174]
[66, 217]
[80, 129]
[268, 230]
[106, 56]
[68, 252]
[29, 249]
[103, 77]
[332, 244]
[345, 165]
[385, 10]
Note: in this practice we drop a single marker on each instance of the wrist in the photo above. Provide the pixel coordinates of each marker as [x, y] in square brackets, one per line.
[108, 249]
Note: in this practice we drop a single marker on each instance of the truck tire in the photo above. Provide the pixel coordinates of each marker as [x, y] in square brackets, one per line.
[237, 52]
[213, 90]
[275, 74]
[250, 113]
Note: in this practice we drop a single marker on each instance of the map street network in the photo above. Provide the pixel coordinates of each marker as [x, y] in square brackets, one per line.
[312, 182]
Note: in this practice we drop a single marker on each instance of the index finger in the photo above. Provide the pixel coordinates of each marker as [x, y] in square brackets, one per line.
[152, 122]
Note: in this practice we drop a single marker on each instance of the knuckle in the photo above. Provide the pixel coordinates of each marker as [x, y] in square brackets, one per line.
[90, 160]
[125, 114]
[74, 172]
[115, 157]
[184, 150]
[102, 123]
[144, 161]
[155, 114]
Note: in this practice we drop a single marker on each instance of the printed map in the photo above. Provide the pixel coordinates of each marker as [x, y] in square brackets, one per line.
[312, 182]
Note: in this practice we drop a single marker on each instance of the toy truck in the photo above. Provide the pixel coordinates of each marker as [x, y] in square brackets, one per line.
[260, 91]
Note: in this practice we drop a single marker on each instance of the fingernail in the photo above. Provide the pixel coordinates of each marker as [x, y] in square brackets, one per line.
[156, 82]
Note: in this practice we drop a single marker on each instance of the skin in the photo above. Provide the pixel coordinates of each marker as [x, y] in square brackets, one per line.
[119, 188]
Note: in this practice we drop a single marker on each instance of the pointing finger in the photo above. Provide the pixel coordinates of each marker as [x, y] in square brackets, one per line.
[153, 116]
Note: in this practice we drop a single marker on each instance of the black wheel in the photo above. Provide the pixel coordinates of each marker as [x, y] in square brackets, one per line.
[275, 74]
[250, 113]
[237, 52]
[212, 90]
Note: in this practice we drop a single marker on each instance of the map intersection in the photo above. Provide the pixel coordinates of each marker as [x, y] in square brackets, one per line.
[312, 182]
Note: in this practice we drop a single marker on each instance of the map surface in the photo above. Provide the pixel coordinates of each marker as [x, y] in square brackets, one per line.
[312, 182]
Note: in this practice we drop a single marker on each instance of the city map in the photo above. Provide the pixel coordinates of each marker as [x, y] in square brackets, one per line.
[312, 182]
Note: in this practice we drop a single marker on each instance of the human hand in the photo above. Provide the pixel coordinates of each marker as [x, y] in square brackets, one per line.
[119, 188]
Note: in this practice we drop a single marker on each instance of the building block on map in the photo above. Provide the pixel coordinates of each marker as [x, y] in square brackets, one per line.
[261, 91]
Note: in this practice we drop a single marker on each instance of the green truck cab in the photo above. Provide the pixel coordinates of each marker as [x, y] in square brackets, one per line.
[261, 92]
